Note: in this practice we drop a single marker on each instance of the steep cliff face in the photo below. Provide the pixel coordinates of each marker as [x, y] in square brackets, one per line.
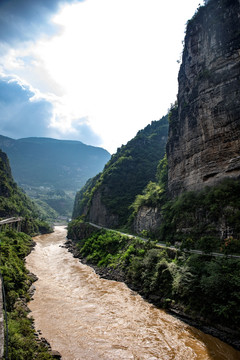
[147, 218]
[204, 131]
[99, 213]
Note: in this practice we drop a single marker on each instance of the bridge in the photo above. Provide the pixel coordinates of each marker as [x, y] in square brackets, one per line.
[12, 223]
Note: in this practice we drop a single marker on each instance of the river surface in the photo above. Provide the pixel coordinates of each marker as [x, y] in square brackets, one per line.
[89, 318]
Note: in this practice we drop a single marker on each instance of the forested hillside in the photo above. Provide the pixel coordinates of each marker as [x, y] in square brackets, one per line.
[14, 246]
[13, 202]
[106, 198]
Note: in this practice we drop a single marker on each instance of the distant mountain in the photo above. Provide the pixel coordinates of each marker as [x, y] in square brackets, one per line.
[106, 198]
[51, 171]
[61, 164]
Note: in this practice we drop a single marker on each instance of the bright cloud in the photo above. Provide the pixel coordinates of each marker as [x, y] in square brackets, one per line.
[110, 71]
[21, 113]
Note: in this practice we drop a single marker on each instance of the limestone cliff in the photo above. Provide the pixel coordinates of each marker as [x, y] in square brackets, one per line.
[99, 213]
[147, 218]
[204, 129]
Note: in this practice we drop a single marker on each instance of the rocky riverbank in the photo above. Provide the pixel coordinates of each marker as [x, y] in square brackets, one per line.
[224, 334]
[103, 272]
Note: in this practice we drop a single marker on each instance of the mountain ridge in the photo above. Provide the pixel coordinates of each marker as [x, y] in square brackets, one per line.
[106, 199]
[52, 170]
[66, 157]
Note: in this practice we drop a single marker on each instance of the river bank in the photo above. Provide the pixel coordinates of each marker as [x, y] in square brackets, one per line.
[84, 316]
[225, 334]
[21, 341]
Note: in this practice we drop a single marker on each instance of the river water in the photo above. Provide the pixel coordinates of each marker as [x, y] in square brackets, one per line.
[89, 318]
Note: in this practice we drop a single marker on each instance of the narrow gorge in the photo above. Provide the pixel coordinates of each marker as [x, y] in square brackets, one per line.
[191, 202]
[155, 236]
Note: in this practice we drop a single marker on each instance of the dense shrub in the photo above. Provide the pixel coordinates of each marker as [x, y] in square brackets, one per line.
[201, 285]
[22, 342]
[210, 218]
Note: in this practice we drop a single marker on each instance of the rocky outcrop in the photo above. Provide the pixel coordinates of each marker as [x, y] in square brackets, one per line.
[99, 214]
[147, 218]
[204, 130]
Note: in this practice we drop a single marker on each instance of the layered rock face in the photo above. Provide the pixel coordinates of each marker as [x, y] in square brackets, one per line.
[99, 214]
[204, 133]
[147, 218]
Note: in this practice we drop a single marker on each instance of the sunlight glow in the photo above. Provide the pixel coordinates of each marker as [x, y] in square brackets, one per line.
[113, 65]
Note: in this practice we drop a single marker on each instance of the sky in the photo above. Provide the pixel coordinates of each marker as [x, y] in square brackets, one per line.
[96, 71]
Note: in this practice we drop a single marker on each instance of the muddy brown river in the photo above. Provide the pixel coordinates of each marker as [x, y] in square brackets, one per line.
[89, 318]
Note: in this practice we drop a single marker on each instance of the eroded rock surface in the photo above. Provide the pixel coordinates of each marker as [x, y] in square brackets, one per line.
[204, 133]
[147, 218]
[98, 212]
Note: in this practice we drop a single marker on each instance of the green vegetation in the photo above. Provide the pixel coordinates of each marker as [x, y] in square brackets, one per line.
[200, 285]
[13, 202]
[127, 173]
[22, 342]
[83, 197]
[45, 211]
[154, 194]
[150, 197]
[14, 246]
[51, 203]
[103, 248]
[59, 201]
[207, 220]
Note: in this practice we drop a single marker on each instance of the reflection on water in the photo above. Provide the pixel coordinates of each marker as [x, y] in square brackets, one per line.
[86, 317]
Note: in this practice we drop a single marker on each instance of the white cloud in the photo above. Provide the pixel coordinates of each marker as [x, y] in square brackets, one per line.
[114, 64]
